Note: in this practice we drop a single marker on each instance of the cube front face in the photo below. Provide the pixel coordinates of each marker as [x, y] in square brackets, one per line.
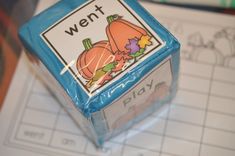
[111, 59]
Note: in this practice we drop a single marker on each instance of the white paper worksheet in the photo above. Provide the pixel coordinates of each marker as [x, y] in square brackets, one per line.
[200, 121]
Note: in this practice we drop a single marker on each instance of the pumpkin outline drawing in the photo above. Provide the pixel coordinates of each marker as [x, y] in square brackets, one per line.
[121, 34]
[89, 62]
[120, 31]
[109, 55]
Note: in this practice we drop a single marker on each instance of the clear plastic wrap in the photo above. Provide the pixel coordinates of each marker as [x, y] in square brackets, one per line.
[110, 63]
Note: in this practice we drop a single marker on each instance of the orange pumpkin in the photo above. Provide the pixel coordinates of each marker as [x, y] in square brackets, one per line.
[120, 31]
[95, 57]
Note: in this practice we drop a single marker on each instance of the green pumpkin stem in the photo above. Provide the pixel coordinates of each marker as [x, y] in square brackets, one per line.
[112, 18]
[87, 44]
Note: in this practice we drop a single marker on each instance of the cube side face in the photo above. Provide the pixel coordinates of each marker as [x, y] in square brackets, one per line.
[65, 101]
[113, 61]
[155, 89]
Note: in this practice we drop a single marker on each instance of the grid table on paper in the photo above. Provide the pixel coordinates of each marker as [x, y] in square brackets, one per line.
[199, 119]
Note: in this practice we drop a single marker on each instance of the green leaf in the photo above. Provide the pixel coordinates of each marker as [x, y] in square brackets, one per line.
[138, 53]
[109, 67]
[98, 74]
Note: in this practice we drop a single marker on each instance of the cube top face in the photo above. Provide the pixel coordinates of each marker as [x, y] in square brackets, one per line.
[97, 49]
[96, 61]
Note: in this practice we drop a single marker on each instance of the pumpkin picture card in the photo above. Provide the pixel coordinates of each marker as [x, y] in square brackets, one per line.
[102, 43]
